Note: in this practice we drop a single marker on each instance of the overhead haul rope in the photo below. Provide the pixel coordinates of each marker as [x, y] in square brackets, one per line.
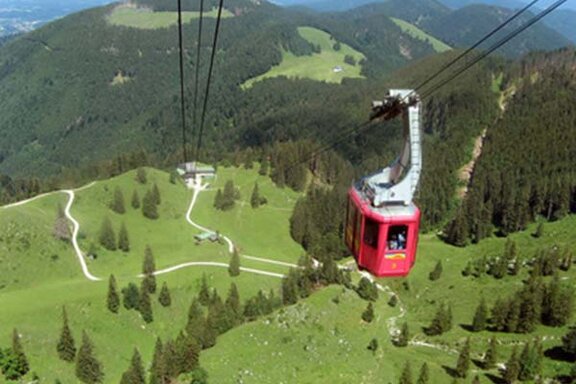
[470, 49]
[207, 91]
[197, 75]
[495, 46]
[182, 100]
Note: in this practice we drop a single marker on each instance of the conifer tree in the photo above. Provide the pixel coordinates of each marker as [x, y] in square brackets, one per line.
[107, 237]
[218, 199]
[196, 324]
[204, 294]
[164, 298]
[290, 288]
[512, 367]
[88, 368]
[234, 266]
[149, 209]
[123, 240]
[135, 373]
[480, 317]
[148, 269]
[158, 366]
[188, 351]
[539, 230]
[406, 377]
[558, 303]
[424, 375]
[368, 314]
[499, 314]
[66, 347]
[141, 176]
[117, 204]
[171, 361]
[491, 356]
[20, 364]
[112, 299]
[229, 195]
[199, 376]
[463, 363]
[404, 336]
[233, 304]
[569, 342]
[264, 167]
[373, 345]
[513, 316]
[442, 321]
[156, 194]
[135, 200]
[131, 296]
[393, 301]
[367, 290]
[144, 305]
[255, 197]
[437, 272]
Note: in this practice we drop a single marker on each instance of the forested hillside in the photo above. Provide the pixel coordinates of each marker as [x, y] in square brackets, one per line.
[82, 90]
[526, 170]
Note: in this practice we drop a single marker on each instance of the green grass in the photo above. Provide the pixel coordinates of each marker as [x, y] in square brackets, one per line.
[36, 287]
[419, 34]
[319, 340]
[318, 66]
[146, 19]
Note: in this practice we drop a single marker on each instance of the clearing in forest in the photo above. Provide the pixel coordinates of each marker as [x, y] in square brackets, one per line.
[329, 65]
[417, 33]
[144, 18]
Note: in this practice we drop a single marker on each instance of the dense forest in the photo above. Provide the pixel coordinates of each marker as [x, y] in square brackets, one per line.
[526, 170]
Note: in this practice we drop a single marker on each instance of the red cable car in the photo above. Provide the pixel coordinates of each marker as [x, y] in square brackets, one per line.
[382, 222]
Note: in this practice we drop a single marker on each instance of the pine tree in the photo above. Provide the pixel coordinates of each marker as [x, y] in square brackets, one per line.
[117, 204]
[148, 269]
[255, 197]
[131, 296]
[234, 266]
[123, 240]
[539, 231]
[156, 194]
[218, 199]
[88, 368]
[158, 366]
[442, 321]
[144, 305]
[373, 346]
[188, 351]
[204, 294]
[463, 364]
[264, 167]
[229, 195]
[135, 373]
[196, 324]
[112, 299]
[499, 314]
[512, 368]
[141, 176]
[149, 209]
[424, 375]
[404, 336]
[135, 200]
[480, 317]
[569, 342]
[290, 292]
[368, 314]
[367, 290]
[233, 304]
[199, 376]
[393, 301]
[406, 377]
[437, 272]
[107, 237]
[66, 347]
[164, 298]
[491, 356]
[20, 364]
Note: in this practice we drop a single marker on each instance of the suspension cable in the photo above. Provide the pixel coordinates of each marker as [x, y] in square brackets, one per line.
[182, 100]
[470, 49]
[207, 91]
[197, 75]
[496, 45]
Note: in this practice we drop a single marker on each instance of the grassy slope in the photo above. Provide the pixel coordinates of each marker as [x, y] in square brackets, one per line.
[34, 302]
[321, 341]
[316, 66]
[419, 34]
[145, 19]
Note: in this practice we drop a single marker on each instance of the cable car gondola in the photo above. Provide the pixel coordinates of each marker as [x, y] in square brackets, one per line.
[382, 221]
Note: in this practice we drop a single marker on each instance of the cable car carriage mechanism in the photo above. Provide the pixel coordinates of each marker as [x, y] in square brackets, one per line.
[382, 221]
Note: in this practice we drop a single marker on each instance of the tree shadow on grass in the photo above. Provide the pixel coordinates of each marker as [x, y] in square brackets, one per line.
[478, 363]
[495, 379]
[450, 371]
[466, 327]
[557, 353]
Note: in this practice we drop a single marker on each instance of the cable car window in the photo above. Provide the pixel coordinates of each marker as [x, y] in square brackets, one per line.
[371, 232]
[397, 237]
